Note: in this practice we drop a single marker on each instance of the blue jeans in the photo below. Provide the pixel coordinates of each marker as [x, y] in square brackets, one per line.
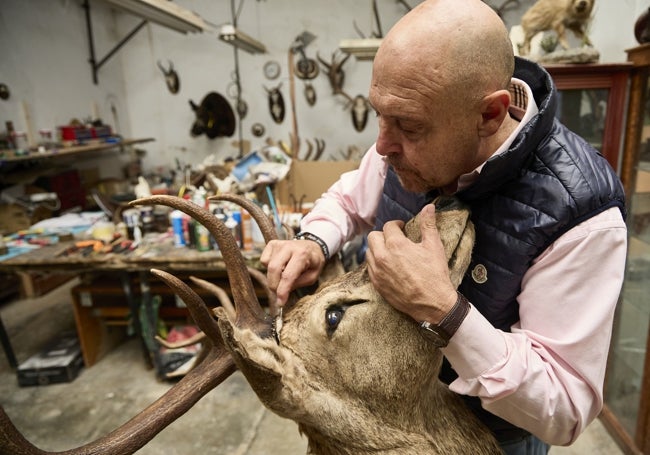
[529, 445]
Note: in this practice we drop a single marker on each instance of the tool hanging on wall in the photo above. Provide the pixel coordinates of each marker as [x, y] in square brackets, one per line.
[276, 103]
[171, 77]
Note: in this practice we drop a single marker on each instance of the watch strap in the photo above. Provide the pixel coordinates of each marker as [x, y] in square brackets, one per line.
[456, 316]
[314, 238]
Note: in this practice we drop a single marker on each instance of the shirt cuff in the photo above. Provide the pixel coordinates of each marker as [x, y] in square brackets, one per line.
[476, 347]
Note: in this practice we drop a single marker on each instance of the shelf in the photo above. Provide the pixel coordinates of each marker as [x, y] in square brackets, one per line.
[10, 156]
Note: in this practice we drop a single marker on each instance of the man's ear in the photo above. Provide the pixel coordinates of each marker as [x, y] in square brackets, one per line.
[494, 108]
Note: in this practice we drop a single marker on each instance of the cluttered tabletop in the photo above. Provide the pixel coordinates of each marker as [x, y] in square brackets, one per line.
[52, 250]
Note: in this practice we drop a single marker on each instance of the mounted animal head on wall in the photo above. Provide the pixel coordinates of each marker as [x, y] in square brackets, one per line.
[214, 117]
[171, 77]
[356, 375]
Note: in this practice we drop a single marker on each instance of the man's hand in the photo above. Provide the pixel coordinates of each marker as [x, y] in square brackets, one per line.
[291, 264]
[412, 277]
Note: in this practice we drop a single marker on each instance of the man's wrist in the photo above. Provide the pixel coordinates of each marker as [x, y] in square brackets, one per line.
[454, 318]
[314, 238]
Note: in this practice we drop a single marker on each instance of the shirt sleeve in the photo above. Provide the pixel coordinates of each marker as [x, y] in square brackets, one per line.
[349, 205]
[547, 375]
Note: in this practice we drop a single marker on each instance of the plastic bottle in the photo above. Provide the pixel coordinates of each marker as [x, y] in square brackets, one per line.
[246, 231]
[177, 227]
[232, 225]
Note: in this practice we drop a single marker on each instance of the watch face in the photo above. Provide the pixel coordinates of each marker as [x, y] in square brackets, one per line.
[433, 333]
[271, 69]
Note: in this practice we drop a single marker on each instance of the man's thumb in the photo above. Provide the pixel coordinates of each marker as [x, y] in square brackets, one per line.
[427, 220]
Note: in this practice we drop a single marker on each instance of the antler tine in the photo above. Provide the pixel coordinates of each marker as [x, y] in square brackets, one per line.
[219, 293]
[138, 431]
[225, 302]
[197, 308]
[271, 296]
[249, 311]
[264, 222]
[268, 232]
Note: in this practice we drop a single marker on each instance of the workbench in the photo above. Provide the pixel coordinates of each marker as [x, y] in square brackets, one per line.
[116, 286]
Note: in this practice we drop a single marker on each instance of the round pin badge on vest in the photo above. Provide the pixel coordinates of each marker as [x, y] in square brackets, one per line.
[479, 274]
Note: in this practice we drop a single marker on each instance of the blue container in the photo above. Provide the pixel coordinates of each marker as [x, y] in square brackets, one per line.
[177, 227]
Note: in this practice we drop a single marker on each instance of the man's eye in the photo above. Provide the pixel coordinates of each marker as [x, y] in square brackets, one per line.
[407, 128]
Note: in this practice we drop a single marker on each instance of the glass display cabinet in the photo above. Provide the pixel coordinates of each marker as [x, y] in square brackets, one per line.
[591, 102]
[627, 383]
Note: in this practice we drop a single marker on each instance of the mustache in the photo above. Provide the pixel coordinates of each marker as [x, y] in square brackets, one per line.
[395, 162]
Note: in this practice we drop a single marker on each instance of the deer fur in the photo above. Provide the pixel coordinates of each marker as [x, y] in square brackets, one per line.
[371, 385]
[367, 385]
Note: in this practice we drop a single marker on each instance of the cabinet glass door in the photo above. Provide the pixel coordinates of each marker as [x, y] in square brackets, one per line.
[583, 111]
[625, 377]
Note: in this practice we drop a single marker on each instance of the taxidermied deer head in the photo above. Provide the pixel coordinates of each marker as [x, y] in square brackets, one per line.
[359, 104]
[335, 72]
[355, 374]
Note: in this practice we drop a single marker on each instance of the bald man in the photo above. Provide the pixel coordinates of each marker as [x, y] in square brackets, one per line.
[526, 336]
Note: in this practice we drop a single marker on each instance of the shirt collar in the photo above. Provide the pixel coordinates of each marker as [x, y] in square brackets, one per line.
[522, 108]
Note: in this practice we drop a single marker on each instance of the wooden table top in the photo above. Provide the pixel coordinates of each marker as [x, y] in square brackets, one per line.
[161, 255]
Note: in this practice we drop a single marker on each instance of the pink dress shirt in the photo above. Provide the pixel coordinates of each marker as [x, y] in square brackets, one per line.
[547, 374]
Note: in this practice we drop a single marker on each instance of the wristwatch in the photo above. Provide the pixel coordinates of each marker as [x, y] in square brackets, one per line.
[441, 333]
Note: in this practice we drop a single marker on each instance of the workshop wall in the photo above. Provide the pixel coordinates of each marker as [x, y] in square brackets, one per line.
[204, 64]
[44, 60]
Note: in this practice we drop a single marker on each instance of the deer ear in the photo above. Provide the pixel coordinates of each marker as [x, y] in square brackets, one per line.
[462, 255]
[457, 235]
[333, 268]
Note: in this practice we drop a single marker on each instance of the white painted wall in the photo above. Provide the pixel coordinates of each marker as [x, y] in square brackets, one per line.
[44, 61]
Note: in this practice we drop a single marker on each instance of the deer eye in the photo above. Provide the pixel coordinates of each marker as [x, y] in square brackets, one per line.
[333, 317]
[334, 314]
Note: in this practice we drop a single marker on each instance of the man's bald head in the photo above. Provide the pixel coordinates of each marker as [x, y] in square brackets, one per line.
[458, 43]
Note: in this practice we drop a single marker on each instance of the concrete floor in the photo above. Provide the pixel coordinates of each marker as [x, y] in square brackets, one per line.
[229, 420]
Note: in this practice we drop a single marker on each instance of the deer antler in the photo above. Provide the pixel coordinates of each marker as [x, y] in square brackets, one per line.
[335, 74]
[216, 366]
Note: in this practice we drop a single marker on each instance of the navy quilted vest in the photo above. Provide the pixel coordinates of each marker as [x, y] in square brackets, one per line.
[549, 181]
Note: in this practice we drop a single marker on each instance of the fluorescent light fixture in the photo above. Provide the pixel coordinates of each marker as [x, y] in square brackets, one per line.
[237, 38]
[164, 12]
[362, 49]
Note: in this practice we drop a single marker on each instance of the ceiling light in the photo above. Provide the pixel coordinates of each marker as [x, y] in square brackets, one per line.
[362, 49]
[164, 12]
[237, 38]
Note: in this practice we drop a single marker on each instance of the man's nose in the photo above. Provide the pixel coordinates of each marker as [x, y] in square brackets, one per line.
[387, 142]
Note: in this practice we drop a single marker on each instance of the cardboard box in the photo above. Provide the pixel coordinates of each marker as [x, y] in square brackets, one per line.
[59, 362]
[311, 178]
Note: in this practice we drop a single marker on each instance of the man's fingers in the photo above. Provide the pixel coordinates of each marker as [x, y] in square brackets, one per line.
[289, 276]
[392, 228]
[428, 227]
